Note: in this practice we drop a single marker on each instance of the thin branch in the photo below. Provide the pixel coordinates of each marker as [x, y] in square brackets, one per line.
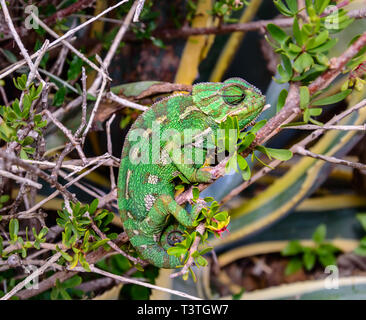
[131, 280]
[356, 165]
[16, 37]
[67, 44]
[35, 274]
[110, 150]
[124, 102]
[15, 160]
[20, 179]
[114, 46]
[112, 244]
[303, 143]
[288, 113]
[194, 247]
[69, 33]
[326, 127]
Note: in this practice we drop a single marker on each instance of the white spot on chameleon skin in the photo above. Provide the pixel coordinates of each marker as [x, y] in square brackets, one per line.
[135, 232]
[149, 201]
[156, 237]
[147, 133]
[152, 179]
[129, 215]
[161, 119]
[144, 247]
[188, 111]
[134, 152]
[164, 158]
[127, 182]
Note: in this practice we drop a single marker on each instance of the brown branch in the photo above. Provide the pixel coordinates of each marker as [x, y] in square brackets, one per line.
[185, 32]
[15, 160]
[356, 165]
[289, 112]
[75, 7]
[194, 247]
[303, 143]
[91, 258]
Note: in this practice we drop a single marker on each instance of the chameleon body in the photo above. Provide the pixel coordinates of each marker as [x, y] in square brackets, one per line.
[151, 217]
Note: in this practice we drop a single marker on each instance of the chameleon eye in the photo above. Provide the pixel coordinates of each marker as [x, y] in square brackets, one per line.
[233, 94]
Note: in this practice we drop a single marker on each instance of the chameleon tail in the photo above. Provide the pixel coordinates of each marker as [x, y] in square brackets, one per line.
[158, 256]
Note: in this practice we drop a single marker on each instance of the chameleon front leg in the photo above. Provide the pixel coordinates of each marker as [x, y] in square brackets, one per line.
[184, 161]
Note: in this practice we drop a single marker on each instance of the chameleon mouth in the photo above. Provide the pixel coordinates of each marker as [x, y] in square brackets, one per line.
[234, 113]
[266, 107]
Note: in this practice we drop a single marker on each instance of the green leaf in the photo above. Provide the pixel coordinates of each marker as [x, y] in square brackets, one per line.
[327, 259]
[279, 154]
[232, 164]
[246, 173]
[13, 229]
[196, 193]
[75, 68]
[297, 32]
[93, 206]
[303, 62]
[318, 40]
[324, 47]
[258, 126]
[247, 141]
[292, 5]
[306, 115]
[206, 250]
[72, 282]
[361, 217]
[332, 99]
[320, 233]
[287, 65]
[176, 251]
[321, 5]
[27, 102]
[294, 265]
[304, 97]
[361, 251]
[363, 242]
[277, 33]
[4, 198]
[59, 97]
[238, 295]
[242, 162]
[293, 248]
[65, 255]
[309, 259]
[283, 9]
[201, 261]
[9, 55]
[315, 111]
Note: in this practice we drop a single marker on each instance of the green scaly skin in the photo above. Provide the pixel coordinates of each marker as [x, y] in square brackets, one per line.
[151, 217]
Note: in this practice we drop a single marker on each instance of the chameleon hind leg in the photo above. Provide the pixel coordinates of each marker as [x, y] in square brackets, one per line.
[159, 213]
[151, 251]
[185, 164]
[153, 248]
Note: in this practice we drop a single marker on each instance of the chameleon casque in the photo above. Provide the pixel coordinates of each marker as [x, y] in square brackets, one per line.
[151, 217]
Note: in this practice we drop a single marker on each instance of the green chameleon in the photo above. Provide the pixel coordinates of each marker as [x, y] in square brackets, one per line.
[156, 151]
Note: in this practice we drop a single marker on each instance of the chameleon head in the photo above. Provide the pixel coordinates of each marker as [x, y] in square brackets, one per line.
[234, 97]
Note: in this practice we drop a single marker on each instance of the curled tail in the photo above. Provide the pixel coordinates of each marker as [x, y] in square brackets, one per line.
[154, 253]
